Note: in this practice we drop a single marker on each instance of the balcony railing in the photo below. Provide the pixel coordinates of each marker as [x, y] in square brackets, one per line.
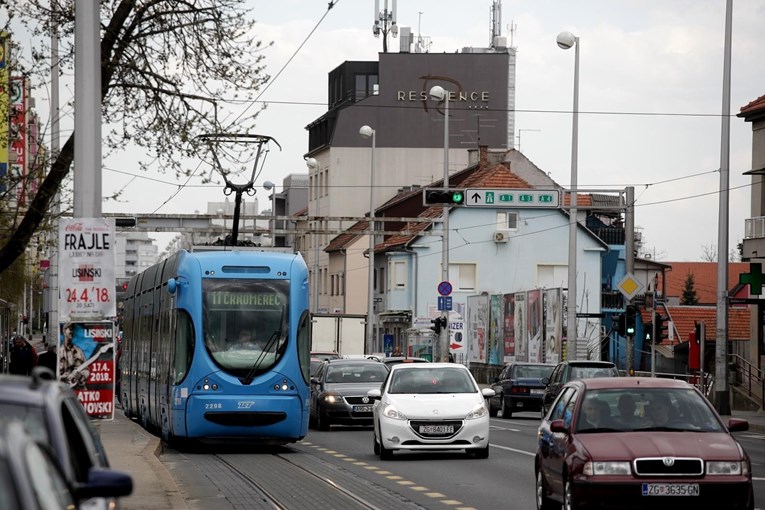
[754, 228]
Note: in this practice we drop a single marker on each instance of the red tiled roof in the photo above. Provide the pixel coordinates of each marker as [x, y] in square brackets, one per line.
[753, 106]
[342, 240]
[704, 276]
[419, 226]
[685, 318]
[580, 199]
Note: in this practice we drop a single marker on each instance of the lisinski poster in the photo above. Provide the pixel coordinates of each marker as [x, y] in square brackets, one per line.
[86, 364]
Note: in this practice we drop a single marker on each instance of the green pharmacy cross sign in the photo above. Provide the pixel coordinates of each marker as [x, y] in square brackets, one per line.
[515, 198]
[754, 278]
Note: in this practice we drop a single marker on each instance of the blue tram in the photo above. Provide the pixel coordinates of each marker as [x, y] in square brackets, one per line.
[217, 347]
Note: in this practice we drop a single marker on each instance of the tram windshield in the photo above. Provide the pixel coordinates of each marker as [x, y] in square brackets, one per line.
[246, 323]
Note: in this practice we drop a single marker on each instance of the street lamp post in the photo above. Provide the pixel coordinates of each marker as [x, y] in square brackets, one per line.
[314, 165]
[439, 94]
[566, 40]
[268, 185]
[368, 132]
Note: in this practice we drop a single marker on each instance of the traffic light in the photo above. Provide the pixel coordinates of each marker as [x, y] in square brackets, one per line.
[443, 197]
[662, 327]
[629, 321]
[621, 324]
[648, 329]
[438, 324]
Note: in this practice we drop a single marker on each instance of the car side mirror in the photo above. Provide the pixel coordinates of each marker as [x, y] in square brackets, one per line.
[104, 483]
[374, 393]
[558, 426]
[314, 380]
[488, 392]
[738, 425]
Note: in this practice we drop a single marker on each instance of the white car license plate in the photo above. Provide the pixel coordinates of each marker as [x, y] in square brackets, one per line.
[362, 409]
[537, 391]
[436, 429]
[671, 489]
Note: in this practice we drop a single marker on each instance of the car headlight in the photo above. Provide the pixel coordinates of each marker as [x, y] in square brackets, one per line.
[718, 467]
[332, 398]
[390, 411]
[606, 468]
[478, 411]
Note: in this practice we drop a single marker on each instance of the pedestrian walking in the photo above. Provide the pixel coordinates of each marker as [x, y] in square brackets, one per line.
[48, 358]
[23, 356]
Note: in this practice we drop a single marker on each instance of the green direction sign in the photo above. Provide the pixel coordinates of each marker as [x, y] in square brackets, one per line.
[516, 198]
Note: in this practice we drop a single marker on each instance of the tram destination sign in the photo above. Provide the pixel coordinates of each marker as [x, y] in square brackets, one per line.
[512, 198]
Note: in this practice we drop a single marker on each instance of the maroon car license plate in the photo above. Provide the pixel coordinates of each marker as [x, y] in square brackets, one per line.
[671, 489]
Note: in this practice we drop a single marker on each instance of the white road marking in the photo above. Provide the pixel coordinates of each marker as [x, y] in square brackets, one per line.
[523, 452]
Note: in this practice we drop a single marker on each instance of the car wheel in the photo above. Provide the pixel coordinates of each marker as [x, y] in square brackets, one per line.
[507, 411]
[483, 453]
[385, 454]
[492, 410]
[322, 422]
[311, 420]
[376, 445]
[568, 500]
[543, 413]
[543, 502]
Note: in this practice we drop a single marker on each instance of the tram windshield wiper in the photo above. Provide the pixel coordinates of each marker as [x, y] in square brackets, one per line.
[269, 347]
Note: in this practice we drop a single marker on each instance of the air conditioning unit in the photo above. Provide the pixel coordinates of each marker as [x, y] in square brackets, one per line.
[501, 236]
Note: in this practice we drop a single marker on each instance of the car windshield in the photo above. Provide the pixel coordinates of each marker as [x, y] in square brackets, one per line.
[351, 373]
[32, 418]
[588, 372]
[533, 371]
[431, 380]
[655, 409]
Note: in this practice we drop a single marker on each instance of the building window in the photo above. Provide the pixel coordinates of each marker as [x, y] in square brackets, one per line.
[399, 275]
[366, 85]
[462, 276]
[507, 220]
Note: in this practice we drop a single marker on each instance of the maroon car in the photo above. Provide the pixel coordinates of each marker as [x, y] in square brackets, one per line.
[637, 442]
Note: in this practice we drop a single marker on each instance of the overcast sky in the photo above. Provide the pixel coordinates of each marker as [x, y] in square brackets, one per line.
[650, 99]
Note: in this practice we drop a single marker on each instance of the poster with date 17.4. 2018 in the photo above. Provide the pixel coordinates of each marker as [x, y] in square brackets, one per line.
[86, 362]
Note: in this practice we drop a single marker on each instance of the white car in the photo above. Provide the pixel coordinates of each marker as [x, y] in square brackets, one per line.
[431, 406]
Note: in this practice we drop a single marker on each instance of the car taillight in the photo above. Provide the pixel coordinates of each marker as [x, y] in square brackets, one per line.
[516, 389]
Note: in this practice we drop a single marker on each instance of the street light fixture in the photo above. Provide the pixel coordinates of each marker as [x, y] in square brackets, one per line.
[566, 40]
[368, 132]
[439, 94]
[313, 165]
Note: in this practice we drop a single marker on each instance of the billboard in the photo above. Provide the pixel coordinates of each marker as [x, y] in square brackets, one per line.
[86, 269]
[553, 325]
[5, 43]
[478, 320]
[86, 362]
[17, 154]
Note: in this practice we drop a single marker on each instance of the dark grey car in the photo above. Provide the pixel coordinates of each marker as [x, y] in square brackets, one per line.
[570, 371]
[339, 392]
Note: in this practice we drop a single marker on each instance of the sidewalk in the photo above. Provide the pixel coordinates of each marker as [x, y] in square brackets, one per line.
[130, 448]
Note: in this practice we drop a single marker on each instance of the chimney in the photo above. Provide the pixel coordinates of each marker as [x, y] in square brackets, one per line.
[484, 155]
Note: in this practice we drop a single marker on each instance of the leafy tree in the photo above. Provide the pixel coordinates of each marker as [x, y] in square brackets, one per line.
[689, 291]
[165, 67]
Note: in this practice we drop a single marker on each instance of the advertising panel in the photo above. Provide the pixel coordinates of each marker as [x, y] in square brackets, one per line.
[521, 343]
[86, 269]
[4, 100]
[86, 362]
[509, 330]
[553, 325]
[496, 339]
[534, 332]
[18, 137]
[478, 319]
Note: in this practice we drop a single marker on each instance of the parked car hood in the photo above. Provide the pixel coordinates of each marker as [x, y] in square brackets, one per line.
[629, 445]
[441, 406]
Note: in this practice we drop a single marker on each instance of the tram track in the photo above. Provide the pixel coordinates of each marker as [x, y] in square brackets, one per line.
[290, 479]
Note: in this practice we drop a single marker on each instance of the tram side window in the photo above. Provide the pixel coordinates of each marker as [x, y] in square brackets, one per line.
[304, 346]
[184, 345]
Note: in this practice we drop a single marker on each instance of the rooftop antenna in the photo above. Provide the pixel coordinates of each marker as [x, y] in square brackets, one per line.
[261, 142]
[512, 26]
[496, 21]
[385, 21]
